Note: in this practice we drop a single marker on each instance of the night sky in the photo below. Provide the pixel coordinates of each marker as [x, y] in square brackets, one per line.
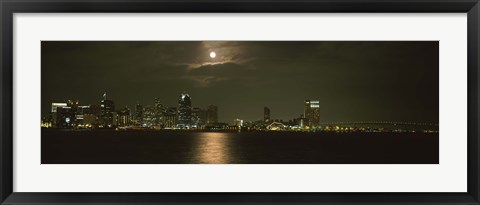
[354, 81]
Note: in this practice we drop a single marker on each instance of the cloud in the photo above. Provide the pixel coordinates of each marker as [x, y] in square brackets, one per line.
[210, 74]
[204, 80]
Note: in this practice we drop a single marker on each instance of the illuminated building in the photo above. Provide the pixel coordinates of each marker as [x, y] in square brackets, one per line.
[266, 114]
[301, 122]
[80, 113]
[90, 120]
[123, 117]
[86, 116]
[47, 121]
[72, 103]
[276, 126]
[57, 105]
[149, 119]
[184, 118]
[199, 116]
[107, 110]
[55, 118]
[312, 112]
[170, 118]
[115, 119]
[64, 117]
[95, 110]
[217, 126]
[93, 118]
[212, 114]
[138, 117]
[238, 122]
[159, 110]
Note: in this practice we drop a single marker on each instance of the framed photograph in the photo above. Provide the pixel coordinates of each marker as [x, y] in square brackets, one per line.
[233, 102]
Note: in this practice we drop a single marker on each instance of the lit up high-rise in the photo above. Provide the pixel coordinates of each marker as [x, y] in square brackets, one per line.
[159, 110]
[138, 117]
[266, 114]
[56, 116]
[212, 114]
[170, 117]
[312, 112]
[184, 115]
[123, 117]
[199, 116]
[107, 109]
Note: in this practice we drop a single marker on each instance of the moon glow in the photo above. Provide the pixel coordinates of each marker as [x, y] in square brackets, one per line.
[213, 54]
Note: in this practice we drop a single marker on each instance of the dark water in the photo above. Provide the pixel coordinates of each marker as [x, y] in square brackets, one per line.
[177, 147]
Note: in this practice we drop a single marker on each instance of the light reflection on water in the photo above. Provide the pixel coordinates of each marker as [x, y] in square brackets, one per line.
[177, 147]
[213, 148]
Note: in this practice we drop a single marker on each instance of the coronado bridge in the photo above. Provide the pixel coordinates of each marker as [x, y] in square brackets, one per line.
[387, 125]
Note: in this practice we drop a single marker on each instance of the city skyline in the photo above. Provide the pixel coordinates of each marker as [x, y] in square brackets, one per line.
[265, 114]
[74, 114]
[395, 81]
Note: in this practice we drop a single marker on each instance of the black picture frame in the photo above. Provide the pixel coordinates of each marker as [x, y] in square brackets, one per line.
[9, 7]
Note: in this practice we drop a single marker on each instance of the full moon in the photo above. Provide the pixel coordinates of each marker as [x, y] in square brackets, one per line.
[212, 54]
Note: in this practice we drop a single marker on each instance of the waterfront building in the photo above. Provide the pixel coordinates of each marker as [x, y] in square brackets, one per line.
[138, 115]
[212, 114]
[90, 120]
[123, 117]
[149, 116]
[184, 118]
[301, 122]
[55, 117]
[47, 121]
[115, 119]
[217, 126]
[312, 112]
[170, 118]
[107, 110]
[266, 114]
[159, 110]
[199, 117]
[80, 112]
[64, 117]
[276, 126]
[238, 122]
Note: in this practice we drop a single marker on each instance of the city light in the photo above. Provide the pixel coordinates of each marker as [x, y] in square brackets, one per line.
[71, 115]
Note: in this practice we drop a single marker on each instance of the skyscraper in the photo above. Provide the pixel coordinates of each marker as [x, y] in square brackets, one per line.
[80, 113]
[159, 110]
[64, 116]
[212, 114]
[138, 117]
[170, 117]
[56, 118]
[266, 114]
[199, 116]
[107, 109]
[149, 116]
[184, 111]
[312, 112]
[123, 117]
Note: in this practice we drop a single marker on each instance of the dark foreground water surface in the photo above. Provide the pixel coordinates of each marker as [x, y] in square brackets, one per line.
[178, 147]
